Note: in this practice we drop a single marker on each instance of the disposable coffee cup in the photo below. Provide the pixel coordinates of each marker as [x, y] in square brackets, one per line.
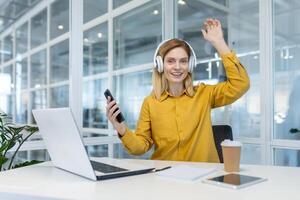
[231, 155]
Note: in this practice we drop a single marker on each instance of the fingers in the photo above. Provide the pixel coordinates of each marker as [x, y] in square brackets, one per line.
[211, 23]
[108, 99]
[110, 104]
[203, 33]
[112, 111]
[218, 23]
[114, 116]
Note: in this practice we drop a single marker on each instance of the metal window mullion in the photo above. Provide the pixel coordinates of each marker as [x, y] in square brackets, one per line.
[48, 56]
[99, 20]
[7, 63]
[38, 49]
[1, 49]
[98, 131]
[110, 66]
[29, 104]
[95, 77]
[14, 74]
[59, 39]
[175, 20]
[137, 68]
[285, 143]
[168, 28]
[76, 60]
[267, 78]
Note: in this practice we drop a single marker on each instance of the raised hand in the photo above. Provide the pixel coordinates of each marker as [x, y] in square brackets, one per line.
[213, 30]
[213, 33]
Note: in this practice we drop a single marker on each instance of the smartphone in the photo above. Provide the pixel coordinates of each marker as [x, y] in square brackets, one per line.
[120, 116]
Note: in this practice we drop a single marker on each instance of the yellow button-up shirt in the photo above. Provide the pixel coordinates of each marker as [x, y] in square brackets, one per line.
[180, 127]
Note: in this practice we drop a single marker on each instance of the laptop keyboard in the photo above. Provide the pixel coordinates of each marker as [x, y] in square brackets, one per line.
[105, 168]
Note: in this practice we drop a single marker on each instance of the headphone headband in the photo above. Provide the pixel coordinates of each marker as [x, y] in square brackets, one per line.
[158, 61]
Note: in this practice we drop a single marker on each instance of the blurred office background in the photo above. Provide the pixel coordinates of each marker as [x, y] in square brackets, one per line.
[60, 53]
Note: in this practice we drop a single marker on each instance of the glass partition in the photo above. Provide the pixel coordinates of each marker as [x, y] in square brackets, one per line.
[135, 40]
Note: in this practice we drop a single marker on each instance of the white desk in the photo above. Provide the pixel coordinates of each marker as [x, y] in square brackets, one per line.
[44, 181]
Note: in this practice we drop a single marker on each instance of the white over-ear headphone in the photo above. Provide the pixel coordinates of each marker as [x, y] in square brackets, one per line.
[158, 61]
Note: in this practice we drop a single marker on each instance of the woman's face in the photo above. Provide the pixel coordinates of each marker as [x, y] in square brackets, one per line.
[176, 65]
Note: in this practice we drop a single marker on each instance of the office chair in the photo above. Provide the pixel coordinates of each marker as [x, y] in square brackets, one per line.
[221, 132]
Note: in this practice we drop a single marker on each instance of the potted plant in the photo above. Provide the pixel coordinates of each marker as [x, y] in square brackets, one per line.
[13, 135]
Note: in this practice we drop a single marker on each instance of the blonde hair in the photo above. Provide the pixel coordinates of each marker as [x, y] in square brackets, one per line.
[159, 81]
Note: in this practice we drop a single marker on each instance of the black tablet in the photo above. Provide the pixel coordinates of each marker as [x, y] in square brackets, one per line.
[234, 181]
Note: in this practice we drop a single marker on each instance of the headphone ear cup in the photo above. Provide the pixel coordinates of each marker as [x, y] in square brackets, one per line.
[191, 63]
[159, 64]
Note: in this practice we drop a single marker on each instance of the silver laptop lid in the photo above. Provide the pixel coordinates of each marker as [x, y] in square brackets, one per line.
[56, 127]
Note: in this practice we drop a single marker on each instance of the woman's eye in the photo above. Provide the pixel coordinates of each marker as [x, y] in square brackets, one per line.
[171, 61]
[184, 61]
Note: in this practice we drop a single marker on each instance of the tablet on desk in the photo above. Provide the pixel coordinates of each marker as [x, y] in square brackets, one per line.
[234, 181]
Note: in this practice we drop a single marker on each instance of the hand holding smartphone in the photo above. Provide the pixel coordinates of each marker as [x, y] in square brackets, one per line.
[120, 118]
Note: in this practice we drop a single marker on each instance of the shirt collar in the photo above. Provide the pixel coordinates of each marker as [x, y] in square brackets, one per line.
[166, 94]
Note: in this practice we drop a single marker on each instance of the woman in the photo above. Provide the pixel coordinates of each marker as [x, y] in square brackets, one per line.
[176, 116]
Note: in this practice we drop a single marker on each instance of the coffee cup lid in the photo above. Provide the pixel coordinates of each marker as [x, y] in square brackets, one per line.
[231, 143]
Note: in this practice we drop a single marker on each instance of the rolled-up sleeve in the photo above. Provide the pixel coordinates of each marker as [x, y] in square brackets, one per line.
[235, 86]
[140, 141]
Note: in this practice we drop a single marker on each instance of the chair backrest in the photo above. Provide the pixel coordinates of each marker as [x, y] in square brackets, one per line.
[221, 132]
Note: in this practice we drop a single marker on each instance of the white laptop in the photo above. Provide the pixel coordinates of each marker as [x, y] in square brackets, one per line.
[66, 149]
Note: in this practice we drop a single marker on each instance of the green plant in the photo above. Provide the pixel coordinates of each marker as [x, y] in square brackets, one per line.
[13, 135]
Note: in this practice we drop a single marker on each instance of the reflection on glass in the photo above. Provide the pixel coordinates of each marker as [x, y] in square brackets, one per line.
[136, 40]
[59, 20]
[21, 97]
[91, 134]
[40, 155]
[245, 114]
[251, 154]
[6, 92]
[38, 99]
[21, 75]
[23, 156]
[94, 103]
[117, 3]
[287, 157]
[287, 71]
[21, 107]
[211, 72]
[121, 152]
[59, 97]
[22, 39]
[95, 50]
[131, 90]
[93, 9]
[8, 48]
[8, 72]
[39, 29]
[12, 10]
[97, 150]
[59, 62]
[38, 70]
